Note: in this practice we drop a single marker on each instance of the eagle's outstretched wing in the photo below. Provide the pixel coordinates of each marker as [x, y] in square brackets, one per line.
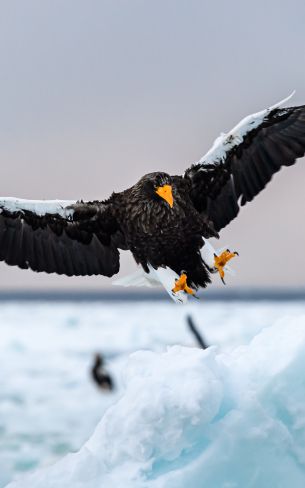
[241, 162]
[64, 237]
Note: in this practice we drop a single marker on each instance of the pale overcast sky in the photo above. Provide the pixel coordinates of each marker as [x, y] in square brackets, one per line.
[96, 93]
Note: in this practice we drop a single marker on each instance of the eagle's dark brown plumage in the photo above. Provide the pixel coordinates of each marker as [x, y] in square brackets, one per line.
[84, 238]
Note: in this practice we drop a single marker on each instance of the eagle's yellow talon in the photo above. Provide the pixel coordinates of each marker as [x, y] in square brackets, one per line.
[181, 285]
[221, 260]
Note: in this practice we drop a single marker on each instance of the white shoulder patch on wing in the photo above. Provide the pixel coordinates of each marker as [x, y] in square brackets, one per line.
[39, 207]
[225, 142]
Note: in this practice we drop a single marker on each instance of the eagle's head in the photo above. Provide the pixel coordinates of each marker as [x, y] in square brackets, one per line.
[158, 187]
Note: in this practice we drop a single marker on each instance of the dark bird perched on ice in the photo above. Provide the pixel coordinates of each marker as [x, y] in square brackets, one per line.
[100, 375]
[163, 220]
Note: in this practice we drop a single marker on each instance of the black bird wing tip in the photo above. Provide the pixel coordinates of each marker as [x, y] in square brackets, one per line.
[241, 163]
[67, 238]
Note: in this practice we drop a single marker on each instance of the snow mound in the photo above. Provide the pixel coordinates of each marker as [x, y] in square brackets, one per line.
[200, 419]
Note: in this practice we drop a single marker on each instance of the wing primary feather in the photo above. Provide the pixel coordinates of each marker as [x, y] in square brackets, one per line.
[41, 236]
[251, 152]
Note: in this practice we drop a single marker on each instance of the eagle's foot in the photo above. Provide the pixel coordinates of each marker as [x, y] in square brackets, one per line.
[221, 260]
[181, 285]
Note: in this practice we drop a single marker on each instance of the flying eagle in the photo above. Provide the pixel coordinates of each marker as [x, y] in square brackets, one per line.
[163, 220]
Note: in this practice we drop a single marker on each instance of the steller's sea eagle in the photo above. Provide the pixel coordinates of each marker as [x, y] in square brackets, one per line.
[163, 220]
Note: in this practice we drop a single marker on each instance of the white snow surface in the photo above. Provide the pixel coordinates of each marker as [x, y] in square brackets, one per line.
[39, 207]
[226, 141]
[230, 416]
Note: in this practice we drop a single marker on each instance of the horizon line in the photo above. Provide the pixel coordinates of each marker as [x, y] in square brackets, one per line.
[233, 294]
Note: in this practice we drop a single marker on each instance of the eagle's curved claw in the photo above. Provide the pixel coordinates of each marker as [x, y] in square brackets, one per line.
[221, 260]
[181, 285]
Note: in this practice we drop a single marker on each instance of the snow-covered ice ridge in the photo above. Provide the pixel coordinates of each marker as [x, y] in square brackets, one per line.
[193, 418]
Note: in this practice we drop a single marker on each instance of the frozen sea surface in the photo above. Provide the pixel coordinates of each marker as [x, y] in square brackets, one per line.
[48, 405]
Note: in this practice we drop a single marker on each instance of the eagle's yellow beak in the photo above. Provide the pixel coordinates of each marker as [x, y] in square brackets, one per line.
[166, 193]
